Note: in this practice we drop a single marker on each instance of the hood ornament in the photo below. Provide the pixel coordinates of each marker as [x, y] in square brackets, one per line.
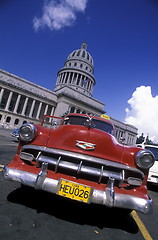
[89, 122]
[85, 145]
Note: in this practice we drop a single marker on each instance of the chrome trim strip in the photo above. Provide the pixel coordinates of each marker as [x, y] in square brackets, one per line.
[79, 168]
[101, 173]
[91, 171]
[99, 197]
[56, 164]
[81, 156]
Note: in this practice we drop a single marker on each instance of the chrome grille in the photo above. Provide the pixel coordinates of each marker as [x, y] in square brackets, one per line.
[83, 166]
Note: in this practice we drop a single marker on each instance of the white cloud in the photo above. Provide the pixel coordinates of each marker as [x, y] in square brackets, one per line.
[59, 15]
[79, 5]
[143, 112]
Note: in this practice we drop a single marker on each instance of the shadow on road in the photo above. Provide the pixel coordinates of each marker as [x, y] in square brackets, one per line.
[73, 211]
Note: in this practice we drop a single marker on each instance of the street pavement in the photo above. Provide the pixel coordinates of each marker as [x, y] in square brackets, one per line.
[28, 214]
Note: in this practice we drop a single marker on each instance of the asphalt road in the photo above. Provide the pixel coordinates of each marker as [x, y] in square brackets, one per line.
[27, 214]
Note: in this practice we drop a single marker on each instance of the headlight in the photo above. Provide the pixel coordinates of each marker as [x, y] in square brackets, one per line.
[145, 159]
[27, 132]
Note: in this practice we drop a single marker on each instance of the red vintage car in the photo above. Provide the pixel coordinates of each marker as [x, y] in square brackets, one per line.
[78, 157]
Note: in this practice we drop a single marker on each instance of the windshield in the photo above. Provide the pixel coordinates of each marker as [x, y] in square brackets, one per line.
[154, 151]
[89, 122]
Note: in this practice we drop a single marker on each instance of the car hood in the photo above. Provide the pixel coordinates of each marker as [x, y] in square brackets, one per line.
[80, 139]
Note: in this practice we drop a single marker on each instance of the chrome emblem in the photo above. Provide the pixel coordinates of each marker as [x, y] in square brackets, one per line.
[85, 145]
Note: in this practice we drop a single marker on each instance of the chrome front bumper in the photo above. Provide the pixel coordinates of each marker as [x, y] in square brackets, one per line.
[108, 197]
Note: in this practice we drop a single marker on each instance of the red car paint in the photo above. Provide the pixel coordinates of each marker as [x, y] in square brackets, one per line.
[106, 148]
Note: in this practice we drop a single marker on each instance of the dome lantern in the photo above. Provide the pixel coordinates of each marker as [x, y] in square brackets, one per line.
[84, 45]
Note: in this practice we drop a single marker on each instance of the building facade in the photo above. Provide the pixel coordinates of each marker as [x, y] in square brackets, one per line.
[22, 101]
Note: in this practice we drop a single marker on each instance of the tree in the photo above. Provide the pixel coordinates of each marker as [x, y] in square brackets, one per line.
[140, 139]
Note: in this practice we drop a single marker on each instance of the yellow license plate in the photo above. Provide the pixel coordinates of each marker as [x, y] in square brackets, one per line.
[74, 191]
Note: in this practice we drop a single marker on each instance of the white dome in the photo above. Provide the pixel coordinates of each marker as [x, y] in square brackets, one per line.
[82, 54]
[77, 72]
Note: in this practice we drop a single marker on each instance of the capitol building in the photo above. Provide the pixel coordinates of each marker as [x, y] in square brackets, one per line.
[22, 101]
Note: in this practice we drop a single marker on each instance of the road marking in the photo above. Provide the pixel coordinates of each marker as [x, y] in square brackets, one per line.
[141, 226]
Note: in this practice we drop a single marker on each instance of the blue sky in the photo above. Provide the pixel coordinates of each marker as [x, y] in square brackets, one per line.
[122, 38]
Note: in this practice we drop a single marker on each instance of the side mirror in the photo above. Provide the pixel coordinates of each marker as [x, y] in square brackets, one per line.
[54, 124]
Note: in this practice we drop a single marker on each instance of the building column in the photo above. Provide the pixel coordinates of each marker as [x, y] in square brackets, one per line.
[8, 101]
[25, 105]
[77, 77]
[86, 85]
[92, 88]
[46, 109]
[39, 109]
[72, 79]
[52, 111]
[59, 79]
[17, 104]
[65, 77]
[89, 88]
[1, 94]
[80, 81]
[83, 82]
[68, 80]
[62, 77]
[32, 108]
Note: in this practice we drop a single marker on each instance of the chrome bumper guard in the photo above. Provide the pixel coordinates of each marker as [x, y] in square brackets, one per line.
[108, 197]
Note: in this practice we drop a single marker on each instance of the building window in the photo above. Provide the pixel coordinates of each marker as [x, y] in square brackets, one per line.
[16, 122]
[78, 54]
[78, 79]
[24, 122]
[78, 111]
[4, 98]
[72, 109]
[49, 110]
[74, 78]
[73, 54]
[8, 119]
